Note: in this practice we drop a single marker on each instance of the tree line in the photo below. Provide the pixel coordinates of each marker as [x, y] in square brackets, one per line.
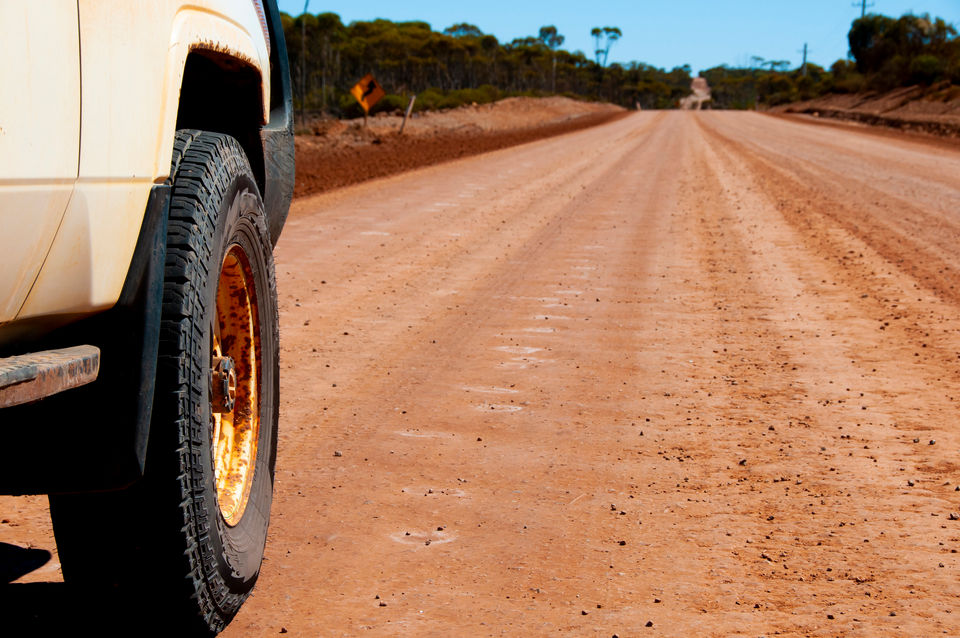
[887, 53]
[460, 65]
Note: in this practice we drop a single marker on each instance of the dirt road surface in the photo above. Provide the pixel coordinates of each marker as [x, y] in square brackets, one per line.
[684, 374]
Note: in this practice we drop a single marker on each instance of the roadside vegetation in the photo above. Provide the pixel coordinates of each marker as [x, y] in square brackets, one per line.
[460, 65]
[887, 53]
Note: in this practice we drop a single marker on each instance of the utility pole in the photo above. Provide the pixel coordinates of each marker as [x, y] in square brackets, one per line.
[864, 5]
[303, 64]
[804, 67]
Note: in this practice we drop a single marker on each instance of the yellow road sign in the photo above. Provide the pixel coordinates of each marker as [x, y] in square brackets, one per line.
[367, 92]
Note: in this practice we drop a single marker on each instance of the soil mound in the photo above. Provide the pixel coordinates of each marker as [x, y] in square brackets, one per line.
[934, 110]
[343, 152]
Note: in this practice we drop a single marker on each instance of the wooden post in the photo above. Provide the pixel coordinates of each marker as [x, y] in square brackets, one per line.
[407, 114]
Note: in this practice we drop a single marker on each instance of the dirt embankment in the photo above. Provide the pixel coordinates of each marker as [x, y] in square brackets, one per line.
[340, 152]
[934, 110]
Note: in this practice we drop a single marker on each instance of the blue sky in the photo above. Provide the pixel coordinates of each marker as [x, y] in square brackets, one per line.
[664, 33]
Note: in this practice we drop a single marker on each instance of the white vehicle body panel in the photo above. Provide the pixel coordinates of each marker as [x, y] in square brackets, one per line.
[39, 137]
[132, 57]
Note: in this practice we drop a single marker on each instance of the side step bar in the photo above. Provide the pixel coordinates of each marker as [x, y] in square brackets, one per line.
[33, 376]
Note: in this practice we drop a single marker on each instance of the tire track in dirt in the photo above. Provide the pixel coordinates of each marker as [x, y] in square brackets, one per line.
[508, 257]
[890, 512]
[412, 268]
[903, 232]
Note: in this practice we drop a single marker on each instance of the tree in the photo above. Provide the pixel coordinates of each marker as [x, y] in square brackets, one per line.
[462, 30]
[553, 40]
[597, 34]
[775, 65]
[868, 43]
[332, 32]
[609, 35]
[896, 52]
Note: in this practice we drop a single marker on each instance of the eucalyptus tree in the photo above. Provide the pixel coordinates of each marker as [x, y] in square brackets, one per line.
[609, 35]
[553, 41]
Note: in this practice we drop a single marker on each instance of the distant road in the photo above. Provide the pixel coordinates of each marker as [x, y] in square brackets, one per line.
[694, 369]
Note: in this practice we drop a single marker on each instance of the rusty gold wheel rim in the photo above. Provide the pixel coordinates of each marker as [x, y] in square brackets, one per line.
[234, 384]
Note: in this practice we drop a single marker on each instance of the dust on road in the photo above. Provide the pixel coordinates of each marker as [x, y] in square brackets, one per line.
[681, 374]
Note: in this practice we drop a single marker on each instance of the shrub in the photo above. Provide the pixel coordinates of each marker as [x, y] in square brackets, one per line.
[926, 69]
[391, 104]
[953, 73]
[851, 83]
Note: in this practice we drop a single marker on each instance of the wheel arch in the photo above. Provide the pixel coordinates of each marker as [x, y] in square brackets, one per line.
[208, 75]
[222, 93]
[227, 48]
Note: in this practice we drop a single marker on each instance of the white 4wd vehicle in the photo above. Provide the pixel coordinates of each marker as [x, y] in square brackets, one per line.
[146, 170]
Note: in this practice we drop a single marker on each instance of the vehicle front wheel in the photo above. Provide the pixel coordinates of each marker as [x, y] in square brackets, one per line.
[187, 541]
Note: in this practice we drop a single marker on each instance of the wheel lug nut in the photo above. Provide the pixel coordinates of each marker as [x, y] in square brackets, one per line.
[223, 385]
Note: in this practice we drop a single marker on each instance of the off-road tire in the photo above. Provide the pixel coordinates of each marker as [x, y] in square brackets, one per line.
[163, 548]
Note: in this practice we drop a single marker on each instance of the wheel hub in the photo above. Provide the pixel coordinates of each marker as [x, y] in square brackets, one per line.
[235, 384]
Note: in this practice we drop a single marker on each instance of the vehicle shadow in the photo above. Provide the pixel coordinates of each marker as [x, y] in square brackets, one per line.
[39, 610]
[44, 609]
[16, 561]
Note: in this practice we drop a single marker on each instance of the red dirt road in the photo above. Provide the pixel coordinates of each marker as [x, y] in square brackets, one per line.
[684, 374]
